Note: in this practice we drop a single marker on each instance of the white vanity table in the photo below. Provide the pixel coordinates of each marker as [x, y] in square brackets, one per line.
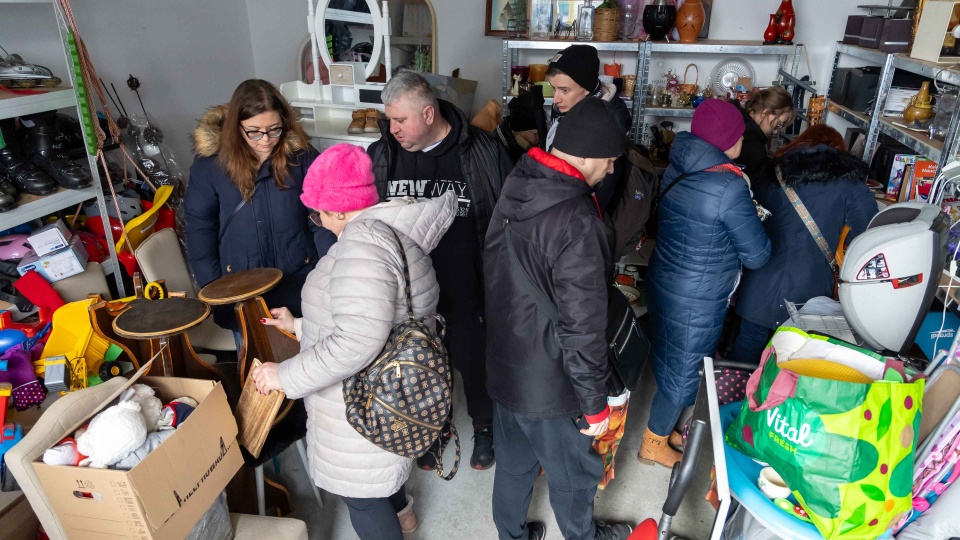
[326, 109]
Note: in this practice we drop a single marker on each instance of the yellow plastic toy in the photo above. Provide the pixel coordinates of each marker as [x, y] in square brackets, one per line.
[73, 337]
[139, 228]
[824, 369]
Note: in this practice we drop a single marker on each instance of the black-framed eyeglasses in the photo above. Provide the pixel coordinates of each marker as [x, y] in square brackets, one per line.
[315, 218]
[256, 134]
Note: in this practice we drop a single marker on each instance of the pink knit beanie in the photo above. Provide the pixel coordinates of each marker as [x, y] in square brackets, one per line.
[340, 180]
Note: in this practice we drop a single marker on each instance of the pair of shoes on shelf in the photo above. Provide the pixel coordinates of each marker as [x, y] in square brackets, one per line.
[364, 121]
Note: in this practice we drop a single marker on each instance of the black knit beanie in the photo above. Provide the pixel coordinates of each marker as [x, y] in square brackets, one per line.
[580, 63]
[523, 109]
[589, 130]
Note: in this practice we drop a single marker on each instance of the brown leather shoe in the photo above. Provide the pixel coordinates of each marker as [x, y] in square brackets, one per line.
[676, 441]
[357, 123]
[655, 449]
[408, 520]
[371, 125]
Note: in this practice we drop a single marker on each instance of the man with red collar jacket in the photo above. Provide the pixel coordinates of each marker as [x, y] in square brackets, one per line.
[546, 252]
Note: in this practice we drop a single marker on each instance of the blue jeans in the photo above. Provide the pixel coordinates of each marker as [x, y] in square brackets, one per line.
[663, 415]
[750, 343]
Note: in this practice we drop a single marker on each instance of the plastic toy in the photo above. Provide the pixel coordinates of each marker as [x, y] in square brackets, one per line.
[16, 73]
[13, 247]
[11, 338]
[12, 433]
[41, 294]
[139, 228]
[74, 339]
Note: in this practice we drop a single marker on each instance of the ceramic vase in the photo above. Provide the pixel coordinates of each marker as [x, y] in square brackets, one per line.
[690, 19]
[786, 35]
[920, 108]
[770, 34]
[658, 19]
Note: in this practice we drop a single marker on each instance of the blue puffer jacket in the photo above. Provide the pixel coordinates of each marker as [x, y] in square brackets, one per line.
[271, 231]
[832, 185]
[707, 226]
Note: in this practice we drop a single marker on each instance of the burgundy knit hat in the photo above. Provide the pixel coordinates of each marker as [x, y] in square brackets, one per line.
[340, 180]
[718, 122]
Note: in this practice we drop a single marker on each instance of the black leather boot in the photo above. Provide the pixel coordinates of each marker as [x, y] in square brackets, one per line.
[8, 194]
[26, 177]
[45, 146]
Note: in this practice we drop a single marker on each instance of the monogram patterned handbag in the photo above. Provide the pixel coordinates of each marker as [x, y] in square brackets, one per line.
[401, 401]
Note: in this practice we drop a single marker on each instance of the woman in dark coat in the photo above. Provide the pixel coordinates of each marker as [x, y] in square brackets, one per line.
[764, 114]
[831, 184]
[242, 207]
[708, 228]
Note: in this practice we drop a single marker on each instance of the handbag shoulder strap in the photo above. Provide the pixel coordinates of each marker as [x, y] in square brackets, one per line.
[236, 210]
[673, 183]
[406, 275]
[807, 219]
[526, 282]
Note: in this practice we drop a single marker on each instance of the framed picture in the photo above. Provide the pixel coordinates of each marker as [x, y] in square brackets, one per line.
[506, 17]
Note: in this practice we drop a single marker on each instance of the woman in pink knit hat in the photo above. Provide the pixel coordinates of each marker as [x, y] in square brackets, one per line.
[350, 303]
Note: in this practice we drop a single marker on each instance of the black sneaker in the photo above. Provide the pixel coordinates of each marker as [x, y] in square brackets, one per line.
[483, 457]
[612, 531]
[536, 530]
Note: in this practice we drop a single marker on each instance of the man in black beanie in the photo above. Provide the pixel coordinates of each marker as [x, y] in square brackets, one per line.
[526, 126]
[545, 268]
[573, 73]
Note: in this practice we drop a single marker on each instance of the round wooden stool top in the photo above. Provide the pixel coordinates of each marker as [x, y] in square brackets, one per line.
[155, 319]
[241, 286]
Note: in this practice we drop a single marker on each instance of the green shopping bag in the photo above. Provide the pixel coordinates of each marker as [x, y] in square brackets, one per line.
[845, 449]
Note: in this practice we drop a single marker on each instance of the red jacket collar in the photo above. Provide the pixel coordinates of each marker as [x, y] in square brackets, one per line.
[555, 163]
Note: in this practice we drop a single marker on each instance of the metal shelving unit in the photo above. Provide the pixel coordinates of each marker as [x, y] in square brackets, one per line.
[32, 207]
[639, 132]
[873, 123]
[644, 51]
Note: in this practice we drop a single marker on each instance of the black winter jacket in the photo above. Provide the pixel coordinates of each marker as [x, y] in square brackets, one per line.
[754, 158]
[485, 164]
[533, 367]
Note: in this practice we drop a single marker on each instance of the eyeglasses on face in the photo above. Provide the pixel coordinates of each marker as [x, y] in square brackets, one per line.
[256, 134]
[315, 218]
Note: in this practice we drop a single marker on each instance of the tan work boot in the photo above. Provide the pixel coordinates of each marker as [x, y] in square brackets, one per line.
[655, 449]
[408, 520]
[356, 125]
[676, 441]
[371, 125]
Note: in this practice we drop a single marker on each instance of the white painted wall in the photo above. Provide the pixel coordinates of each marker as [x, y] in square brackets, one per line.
[188, 54]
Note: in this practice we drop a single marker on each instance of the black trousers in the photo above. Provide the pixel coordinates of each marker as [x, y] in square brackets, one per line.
[467, 343]
[573, 469]
[376, 519]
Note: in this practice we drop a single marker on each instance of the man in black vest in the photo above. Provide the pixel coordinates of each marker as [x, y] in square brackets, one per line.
[427, 148]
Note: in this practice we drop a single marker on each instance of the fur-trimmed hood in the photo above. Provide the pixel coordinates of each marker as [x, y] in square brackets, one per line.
[206, 138]
[820, 164]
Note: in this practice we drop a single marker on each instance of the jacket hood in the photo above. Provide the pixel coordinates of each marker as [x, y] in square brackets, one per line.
[206, 137]
[423, 221]
[533, 188]
[690, 154]
[819, 165]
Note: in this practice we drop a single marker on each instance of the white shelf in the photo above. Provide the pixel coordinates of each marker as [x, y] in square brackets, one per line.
[25, 1]
[863, 53]
[12, 105]
[720, 46]
[343, 15]
[678, 112]
[326, 128]
[858, 119]
[32, 207]
[560, 44]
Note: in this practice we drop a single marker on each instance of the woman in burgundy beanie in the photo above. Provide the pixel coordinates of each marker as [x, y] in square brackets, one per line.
[708, 228]
[351, 301]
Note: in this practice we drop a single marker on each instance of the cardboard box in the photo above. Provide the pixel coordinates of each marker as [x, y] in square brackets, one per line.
[167, 493]
[934, 40]
[50, 238]
[58, 265]
[898, 172]
[924, 173]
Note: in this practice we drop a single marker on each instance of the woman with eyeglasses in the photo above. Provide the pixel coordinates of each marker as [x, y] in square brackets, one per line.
[242, 207]
[764, 114]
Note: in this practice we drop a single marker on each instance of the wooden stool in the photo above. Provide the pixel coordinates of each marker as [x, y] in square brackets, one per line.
[164, 324]
[267, 343]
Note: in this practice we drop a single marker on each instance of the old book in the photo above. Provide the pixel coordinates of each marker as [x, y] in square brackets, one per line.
[255, 414]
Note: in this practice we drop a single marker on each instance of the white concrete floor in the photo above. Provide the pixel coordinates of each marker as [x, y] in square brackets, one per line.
[460, 509]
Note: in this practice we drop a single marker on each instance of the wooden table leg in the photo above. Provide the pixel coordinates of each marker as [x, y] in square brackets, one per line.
[266, 343]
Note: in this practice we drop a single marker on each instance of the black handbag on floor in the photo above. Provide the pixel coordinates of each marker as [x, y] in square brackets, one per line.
[627, 346]
[401, 401]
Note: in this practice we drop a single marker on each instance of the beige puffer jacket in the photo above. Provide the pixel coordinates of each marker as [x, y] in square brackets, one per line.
[351, 301]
